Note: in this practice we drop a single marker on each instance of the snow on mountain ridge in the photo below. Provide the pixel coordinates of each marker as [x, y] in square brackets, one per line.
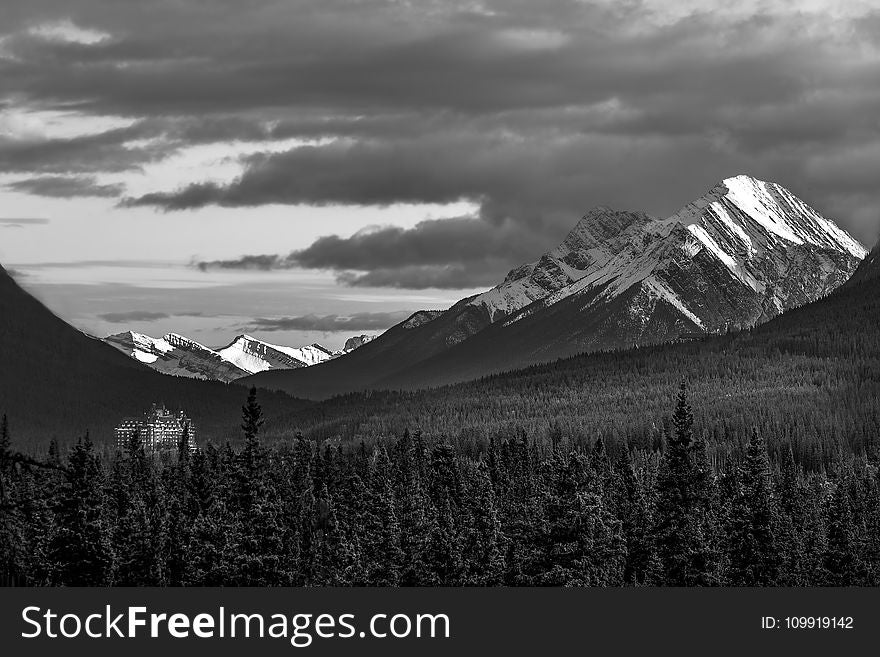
[144, 347]
[599, 241]
[181, 356]
[742, 204]
[177, 340]
[758, 232]
[241, 352]
[254, 355]
[176, 355]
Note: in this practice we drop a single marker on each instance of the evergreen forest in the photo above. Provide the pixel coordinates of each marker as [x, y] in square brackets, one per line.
[523, 510]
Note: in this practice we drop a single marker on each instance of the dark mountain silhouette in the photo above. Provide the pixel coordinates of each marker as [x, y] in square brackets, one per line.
[56, 382]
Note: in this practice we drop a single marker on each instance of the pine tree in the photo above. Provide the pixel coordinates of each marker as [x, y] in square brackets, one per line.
[181, 508]
[843, 559]
[300, 513]
[444, 555]
[412, 504]
[387, 562]
[11, 526]
[81, 547]
[680, 532]
[582, 540]
[139, 515]
[489, 545]
[753, 557]
[633, 509]
[251, 422]
[35, 493]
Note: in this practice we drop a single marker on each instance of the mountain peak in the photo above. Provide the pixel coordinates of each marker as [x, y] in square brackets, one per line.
[756, 233]
[751, 215]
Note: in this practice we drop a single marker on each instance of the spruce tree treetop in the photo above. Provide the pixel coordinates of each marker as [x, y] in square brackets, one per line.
[251, 416]
[683, 419]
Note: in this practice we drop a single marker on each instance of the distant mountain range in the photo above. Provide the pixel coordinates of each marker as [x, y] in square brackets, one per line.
[58, 383]
[180, 356]
[742, 253]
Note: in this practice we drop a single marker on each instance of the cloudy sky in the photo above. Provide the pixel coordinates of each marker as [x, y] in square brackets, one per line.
[312, 169]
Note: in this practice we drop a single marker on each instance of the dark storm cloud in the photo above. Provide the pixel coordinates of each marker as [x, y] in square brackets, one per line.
[105, 151]
[443, 253]
[532, 111]
[126, 148]
[65, 187]
[433, 242]
[251, 262]
[356, 322]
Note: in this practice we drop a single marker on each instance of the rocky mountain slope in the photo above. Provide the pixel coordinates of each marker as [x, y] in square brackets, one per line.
[357, 341]
[176, 355]
[739, 255]
[869, 269]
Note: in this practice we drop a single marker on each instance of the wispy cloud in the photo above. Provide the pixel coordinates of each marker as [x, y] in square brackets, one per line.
[144, 316]
[66, 187]
[67, 31]
[133, 316]
[366, 321]
[85, 264]
[21, 222]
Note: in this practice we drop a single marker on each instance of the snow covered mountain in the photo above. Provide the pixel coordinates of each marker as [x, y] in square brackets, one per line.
[253, 355]
[177, 355]
[739, 255]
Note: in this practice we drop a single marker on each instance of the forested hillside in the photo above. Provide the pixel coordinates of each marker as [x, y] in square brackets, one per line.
[809, 378]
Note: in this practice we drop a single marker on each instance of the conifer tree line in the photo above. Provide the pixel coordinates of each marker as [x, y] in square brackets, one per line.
[515, 510]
